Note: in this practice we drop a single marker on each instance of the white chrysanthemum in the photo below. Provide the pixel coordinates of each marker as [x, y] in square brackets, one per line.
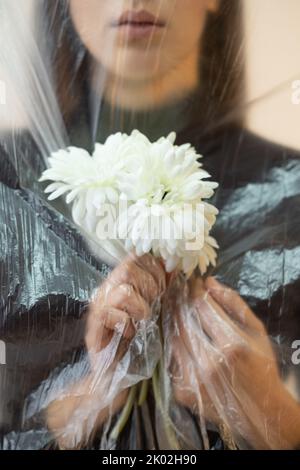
[178, 233]
[88, 181]
[164, 171]
[167, 210]
[165, 188]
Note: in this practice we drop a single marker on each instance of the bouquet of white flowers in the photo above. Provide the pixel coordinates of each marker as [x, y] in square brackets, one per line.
[150, 196]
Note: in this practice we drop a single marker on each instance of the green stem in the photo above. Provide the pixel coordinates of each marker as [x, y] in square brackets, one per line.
[143, 392]
[121, 423]
[169, 429]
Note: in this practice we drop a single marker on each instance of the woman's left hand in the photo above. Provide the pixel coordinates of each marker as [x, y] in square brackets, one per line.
[228, 354]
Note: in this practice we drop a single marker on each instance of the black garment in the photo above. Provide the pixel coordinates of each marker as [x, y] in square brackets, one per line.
[47, 273]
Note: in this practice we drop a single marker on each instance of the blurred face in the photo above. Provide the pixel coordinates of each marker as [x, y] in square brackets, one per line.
[140, 39]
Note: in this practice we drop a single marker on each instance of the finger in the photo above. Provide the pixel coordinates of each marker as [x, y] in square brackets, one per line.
[153, 266]
[233, 304]
[102, 325]
[214, 321]
[117, 320]
[196, 287]
[129, 272]
[124, 297]
[188, 326]
[190, 379]
[192, 339]
[182, 373]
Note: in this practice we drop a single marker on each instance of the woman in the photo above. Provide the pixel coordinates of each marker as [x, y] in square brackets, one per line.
[157, 69]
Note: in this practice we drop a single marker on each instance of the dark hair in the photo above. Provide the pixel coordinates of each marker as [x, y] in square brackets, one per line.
[222, 69]
[221, 63]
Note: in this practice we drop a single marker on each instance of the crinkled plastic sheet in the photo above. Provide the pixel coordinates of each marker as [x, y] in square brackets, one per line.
[87, 365]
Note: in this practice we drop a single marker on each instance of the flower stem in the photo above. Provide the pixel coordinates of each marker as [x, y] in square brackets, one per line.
[169, 429]
[143, 392]
[122, 421]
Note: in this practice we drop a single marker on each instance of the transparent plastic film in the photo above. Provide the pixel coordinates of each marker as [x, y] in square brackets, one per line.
[117, 117]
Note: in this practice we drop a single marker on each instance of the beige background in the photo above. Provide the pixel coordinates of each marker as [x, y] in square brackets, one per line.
[273, 63]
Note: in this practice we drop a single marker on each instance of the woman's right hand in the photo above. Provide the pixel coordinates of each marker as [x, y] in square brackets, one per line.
[124, 298]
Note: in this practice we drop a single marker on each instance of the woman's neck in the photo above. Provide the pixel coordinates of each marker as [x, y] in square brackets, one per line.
[148, 94]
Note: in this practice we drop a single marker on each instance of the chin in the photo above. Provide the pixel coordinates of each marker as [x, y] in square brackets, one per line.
[133, 64]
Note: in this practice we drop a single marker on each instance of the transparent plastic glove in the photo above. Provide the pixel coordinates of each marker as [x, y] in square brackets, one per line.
[224, 369]
[123, 347]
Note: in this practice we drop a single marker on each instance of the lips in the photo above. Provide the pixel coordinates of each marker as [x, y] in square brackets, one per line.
[138, 25]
